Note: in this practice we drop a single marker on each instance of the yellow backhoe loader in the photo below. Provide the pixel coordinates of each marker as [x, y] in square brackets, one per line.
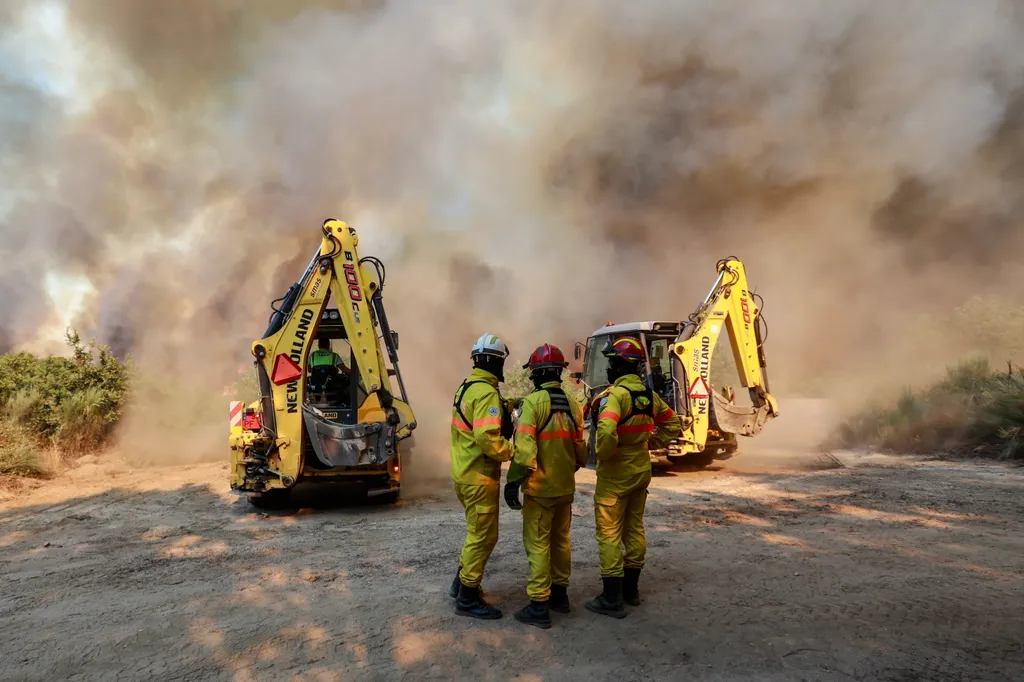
[678, 368]
[342, 420]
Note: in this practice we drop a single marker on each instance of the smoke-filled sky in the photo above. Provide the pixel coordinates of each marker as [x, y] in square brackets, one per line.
[526, 168]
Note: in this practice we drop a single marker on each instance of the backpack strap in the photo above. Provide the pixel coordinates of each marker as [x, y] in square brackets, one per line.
[559, 404]
[459, 394]
[636, 409]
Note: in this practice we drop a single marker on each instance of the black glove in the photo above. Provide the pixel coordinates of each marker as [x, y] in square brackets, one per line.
[512, 496]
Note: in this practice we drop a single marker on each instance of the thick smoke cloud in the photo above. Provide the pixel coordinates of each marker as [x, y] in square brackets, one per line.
[527, 168]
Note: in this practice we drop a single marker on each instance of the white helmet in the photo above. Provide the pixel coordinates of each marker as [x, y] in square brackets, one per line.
[489, 344]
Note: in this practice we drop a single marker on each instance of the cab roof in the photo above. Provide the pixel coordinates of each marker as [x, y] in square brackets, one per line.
[657, 326]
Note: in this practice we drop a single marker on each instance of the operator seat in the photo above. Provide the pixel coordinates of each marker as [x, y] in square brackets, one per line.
[330, 383]
[318, 378]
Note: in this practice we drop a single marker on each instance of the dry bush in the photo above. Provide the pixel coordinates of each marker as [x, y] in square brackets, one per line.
[19, 453]
[972, 411]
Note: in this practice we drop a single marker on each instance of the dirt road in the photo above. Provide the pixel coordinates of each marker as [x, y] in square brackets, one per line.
[886, 569]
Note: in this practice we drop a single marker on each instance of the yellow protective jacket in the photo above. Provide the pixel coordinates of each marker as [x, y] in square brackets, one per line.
[624, 438]
[477, 447]
[549, 448]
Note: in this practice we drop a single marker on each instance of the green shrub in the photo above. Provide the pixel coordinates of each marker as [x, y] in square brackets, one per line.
[83, 424]
[998, 428]
[973, 410]
[72, 402]
[518, 383]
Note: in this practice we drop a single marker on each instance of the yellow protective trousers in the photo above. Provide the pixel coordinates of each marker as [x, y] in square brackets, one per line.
[481, 505]
[619, 522]
[546, 522]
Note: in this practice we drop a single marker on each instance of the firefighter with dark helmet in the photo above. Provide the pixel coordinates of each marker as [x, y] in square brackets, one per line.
[631, 418]
[480, 442]
[549, 449]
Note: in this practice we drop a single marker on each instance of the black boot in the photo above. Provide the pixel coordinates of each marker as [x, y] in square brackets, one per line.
[559, 598]
[453, 591]
[609, 602]
[535, 614]
[470, 603]
[630, 587]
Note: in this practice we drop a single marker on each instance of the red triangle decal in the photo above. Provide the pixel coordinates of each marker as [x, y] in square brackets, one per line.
[699, 389]
[285, 370]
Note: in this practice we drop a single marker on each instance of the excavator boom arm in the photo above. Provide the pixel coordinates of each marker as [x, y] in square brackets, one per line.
[728, 305]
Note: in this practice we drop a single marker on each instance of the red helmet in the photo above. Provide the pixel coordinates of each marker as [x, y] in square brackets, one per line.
[546, 357]
[625, 348]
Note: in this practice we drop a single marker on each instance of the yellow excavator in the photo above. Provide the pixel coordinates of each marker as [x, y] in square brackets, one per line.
[343, 420]
[678, 368]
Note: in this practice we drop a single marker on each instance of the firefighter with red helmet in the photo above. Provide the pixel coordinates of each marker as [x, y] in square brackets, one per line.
[631, 419]
[549, 449]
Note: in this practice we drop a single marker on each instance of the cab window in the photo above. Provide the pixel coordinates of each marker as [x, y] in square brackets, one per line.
[661, 367]
[329, 380]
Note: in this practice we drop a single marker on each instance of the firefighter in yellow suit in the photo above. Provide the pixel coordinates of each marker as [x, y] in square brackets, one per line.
[630, 419]
[549, 449]
[480, 442]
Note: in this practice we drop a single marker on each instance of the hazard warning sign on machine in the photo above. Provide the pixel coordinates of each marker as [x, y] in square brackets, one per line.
[699, 389]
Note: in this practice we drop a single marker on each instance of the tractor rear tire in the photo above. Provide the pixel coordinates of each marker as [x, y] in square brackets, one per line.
[693, 461]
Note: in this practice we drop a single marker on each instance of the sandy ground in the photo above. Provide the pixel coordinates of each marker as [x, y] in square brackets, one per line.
[765, 568]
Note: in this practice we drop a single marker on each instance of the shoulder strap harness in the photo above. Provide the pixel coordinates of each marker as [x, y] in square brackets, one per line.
[559, 404]
[636, 409]
[458, 399]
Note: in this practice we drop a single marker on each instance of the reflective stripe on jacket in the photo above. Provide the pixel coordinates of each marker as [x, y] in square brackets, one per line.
[623, 437]
[478, 448]
[547, 460]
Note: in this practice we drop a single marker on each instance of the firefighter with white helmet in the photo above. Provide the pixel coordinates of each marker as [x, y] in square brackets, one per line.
[480, 442]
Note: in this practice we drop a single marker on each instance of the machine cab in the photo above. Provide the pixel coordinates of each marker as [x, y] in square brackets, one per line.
[331, 384]
[655, 337]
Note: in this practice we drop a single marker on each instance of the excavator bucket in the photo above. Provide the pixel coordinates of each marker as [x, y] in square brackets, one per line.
[340, 445]
[743, 421]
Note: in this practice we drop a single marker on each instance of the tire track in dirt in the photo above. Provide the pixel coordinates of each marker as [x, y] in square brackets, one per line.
[837, 575]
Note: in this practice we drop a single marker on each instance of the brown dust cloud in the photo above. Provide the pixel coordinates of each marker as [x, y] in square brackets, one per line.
[526, 168]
